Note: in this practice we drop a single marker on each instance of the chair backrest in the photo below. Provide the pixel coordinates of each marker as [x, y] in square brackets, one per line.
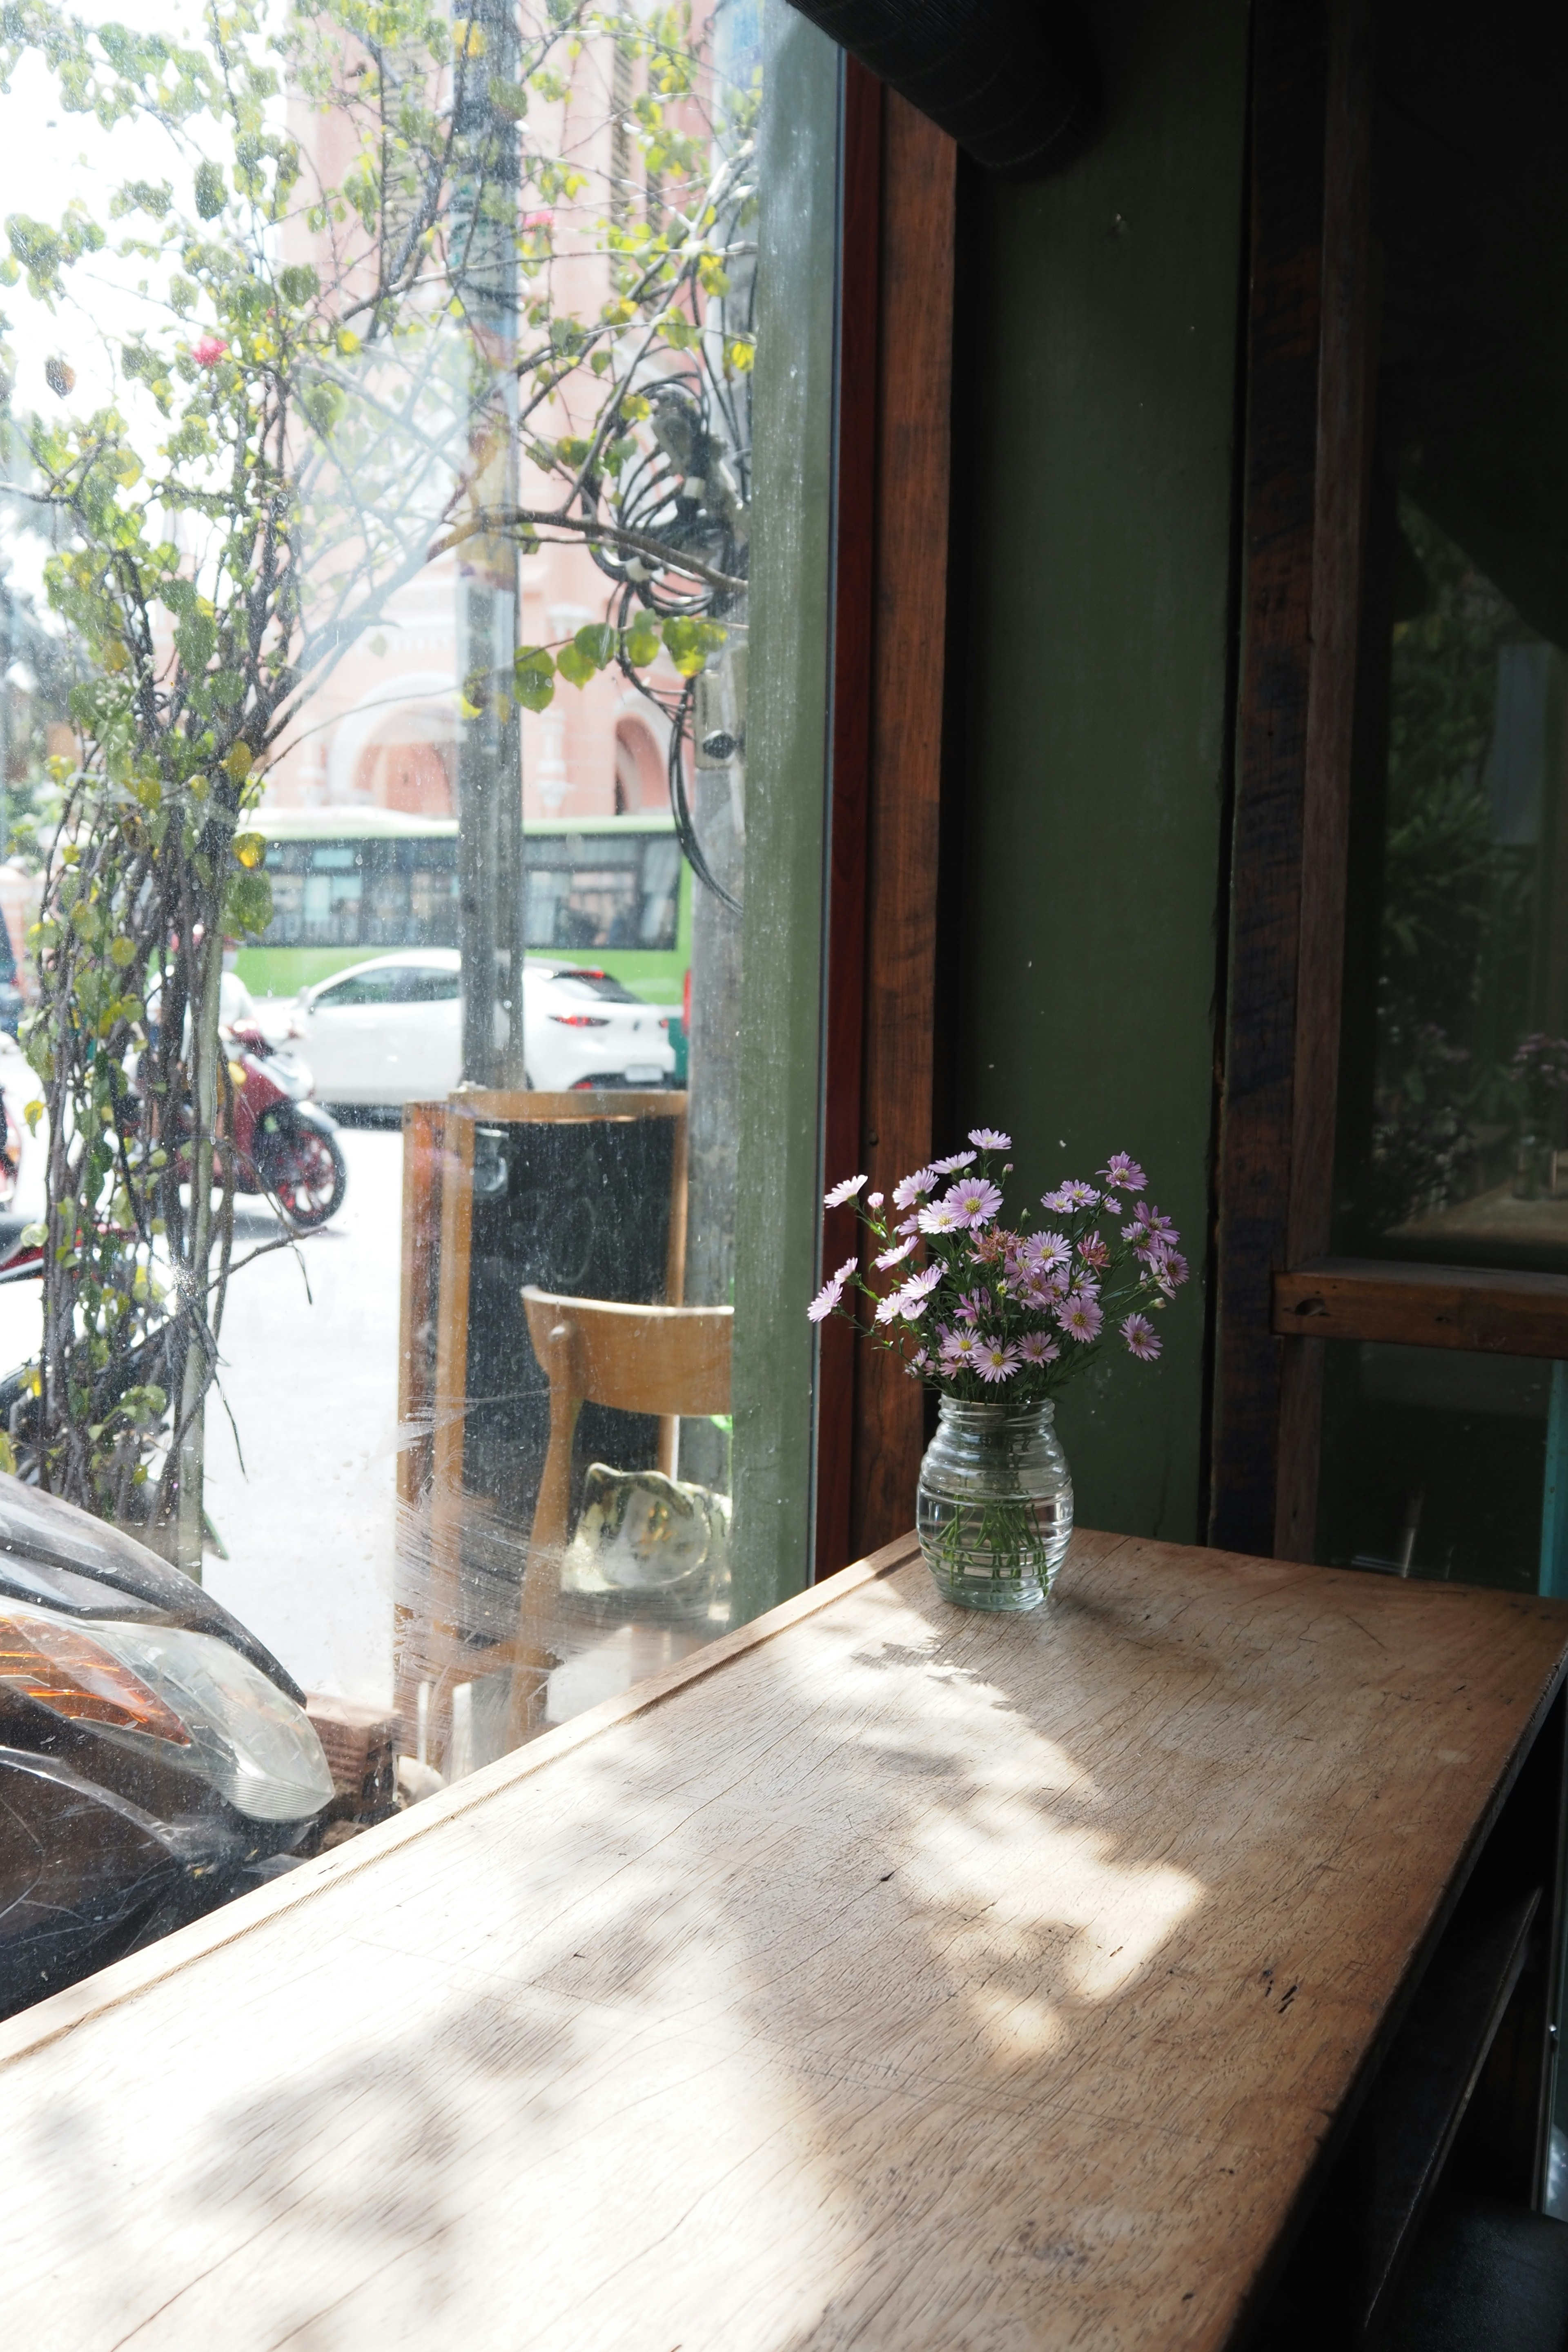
[657, 1360]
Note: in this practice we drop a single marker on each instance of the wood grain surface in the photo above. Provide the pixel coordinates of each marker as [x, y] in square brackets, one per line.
[888, 1976]
[914, 432]
[1291, 44]
[1488, 1311]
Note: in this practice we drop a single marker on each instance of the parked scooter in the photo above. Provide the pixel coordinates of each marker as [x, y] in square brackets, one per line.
[284, 1144]
[155, 1758]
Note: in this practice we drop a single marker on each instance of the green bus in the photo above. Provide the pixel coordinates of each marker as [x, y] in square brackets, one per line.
[613, 891]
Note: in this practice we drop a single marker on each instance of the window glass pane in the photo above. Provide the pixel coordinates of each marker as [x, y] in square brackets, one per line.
[1455, 1093]
[1439, 1460]
[392, 873]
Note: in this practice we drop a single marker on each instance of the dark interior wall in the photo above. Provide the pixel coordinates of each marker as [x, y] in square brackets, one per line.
[1097, 361]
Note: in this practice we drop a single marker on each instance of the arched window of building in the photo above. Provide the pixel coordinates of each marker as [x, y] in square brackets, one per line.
[409, 764]
[639, 768]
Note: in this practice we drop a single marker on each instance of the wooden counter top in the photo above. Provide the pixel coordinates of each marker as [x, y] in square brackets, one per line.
[888, 1976]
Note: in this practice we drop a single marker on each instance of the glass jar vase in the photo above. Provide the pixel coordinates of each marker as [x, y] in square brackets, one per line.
[993, 1507]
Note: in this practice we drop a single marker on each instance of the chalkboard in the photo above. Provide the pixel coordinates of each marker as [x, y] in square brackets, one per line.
[580, 1194]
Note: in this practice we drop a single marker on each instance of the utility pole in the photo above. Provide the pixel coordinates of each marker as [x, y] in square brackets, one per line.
[489, 763]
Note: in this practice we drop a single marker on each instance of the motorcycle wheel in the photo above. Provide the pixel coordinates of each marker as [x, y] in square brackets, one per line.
[306, 1175]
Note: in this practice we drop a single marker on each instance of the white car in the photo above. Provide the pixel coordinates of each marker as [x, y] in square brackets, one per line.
[390, 1030]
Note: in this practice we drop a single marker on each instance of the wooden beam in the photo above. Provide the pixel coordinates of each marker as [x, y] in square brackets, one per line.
[1340, 503]
[913, 458]
[854, 585]
[1305, 471]
[1476, 1309]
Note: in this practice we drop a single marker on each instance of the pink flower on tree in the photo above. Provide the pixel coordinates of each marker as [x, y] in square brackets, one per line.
[209, 351]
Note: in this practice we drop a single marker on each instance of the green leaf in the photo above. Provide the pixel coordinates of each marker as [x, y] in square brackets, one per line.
[597, 643]
[575, 666]
[211, 194]
[248, 902]
[534, 678]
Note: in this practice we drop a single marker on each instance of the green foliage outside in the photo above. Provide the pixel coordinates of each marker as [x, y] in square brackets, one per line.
[308, 411]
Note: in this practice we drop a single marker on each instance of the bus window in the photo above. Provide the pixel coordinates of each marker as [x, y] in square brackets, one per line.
[387, 922]
[334, 888]
[601, 890]
[431, 868]
[660, 886]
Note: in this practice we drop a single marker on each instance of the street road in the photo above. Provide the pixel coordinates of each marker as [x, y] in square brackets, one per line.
[309, 1376]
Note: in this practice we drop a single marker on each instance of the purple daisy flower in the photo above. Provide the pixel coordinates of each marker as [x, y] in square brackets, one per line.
[1034, 1347]
[994, 1359]
[875, 1200]
[1123, 1173]
[990, 1138]
[958, 1352]
[975, 1201]
[1081, 1318]
[832, 1291]
[955, 1160]
[1042, 1251]
[911, 1189]
[894, 1257]
[972, 1305]
[939, 1217]
[842, 1192]
[915, 1296]
[1142, 1339]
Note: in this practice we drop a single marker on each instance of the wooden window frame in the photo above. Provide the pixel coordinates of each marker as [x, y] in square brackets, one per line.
[1279, 1298]
[892, 471]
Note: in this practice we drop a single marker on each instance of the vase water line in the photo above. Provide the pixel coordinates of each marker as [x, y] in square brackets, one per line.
[993, 1507]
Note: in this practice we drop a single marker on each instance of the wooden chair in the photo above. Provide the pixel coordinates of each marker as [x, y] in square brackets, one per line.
[668, 1360]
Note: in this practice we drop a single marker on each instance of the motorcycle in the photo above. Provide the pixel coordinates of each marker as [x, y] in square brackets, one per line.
[155, 1758]
[284, 1145]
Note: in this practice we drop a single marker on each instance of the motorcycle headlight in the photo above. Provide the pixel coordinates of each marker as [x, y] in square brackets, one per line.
[212, 1712]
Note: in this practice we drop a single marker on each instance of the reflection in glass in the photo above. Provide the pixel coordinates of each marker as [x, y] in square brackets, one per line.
[1434, 1463]
[1467, 1016]
[466, 1462]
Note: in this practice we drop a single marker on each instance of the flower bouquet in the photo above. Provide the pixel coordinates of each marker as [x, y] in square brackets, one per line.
[997, 1319]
